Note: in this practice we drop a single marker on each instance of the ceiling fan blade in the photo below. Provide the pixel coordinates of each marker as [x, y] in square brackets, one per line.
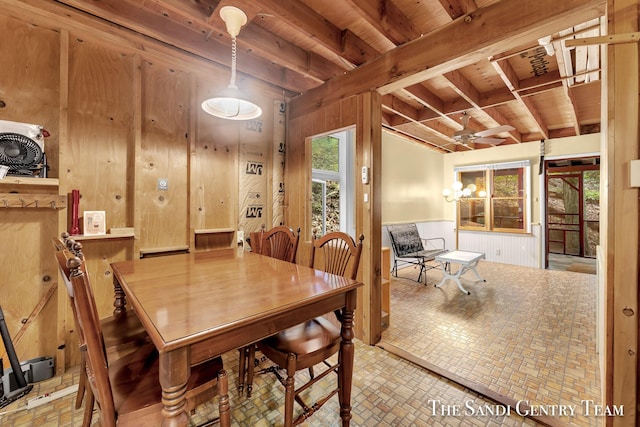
[492, 141]
[493, 131]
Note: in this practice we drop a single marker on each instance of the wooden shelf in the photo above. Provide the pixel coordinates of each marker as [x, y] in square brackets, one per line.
[27, 180]
[80, 237]
[214, 231]
[28, 200]
[214, 238]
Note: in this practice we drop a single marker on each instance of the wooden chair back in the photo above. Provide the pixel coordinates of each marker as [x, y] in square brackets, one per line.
[127, 390]
[89, 324]
[280, 242]
[340, 254]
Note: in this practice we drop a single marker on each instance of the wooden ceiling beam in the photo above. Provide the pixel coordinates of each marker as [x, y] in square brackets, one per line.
[496, 97]
[305, 20]
[426, 133]
[172, 33]
[431, 101]
[386, 19]
[407, 114]
[201, 9]
[465, 89]
[399, 107]
[417, 140]
[510, 78]
[501, 119]
[457, 8]
[561, 56]
[495, 28]
[263, 43]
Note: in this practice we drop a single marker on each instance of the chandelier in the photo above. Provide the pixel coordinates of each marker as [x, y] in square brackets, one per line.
[457, 192]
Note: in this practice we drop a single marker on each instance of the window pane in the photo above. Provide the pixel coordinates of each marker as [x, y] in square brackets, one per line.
[507, 183]
[476, 178]
[317, 208]
[472, 213]
[325, 153]
[508, 213]
[329, 205]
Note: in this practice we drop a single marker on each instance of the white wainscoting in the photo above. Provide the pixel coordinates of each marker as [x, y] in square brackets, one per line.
[505, 248]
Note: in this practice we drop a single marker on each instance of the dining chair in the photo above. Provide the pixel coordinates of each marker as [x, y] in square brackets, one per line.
[280, 242]
[127, 391]
[123, 334]
[313, 342]
[254, 240]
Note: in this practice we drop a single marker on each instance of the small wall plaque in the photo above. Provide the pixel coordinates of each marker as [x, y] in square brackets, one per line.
[94, 223]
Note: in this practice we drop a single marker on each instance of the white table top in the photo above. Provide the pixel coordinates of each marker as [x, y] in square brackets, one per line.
[461, 257]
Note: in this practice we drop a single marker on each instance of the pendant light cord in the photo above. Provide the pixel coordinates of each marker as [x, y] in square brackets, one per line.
[232, 83]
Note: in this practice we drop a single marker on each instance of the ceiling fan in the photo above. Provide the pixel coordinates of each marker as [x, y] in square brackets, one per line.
[466, 135]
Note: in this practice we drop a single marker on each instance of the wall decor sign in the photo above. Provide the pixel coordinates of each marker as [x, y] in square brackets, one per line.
[94, 223]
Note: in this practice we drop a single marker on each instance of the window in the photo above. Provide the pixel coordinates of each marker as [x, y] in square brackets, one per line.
[332, 187]
[501, 201]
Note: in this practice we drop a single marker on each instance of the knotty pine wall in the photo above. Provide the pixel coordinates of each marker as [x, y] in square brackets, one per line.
[363, 113]
[122, 112]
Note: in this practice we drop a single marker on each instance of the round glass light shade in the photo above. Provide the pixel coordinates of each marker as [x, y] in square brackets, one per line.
[482, 193]
[231, 108]
[446, 192]
[472, 187]
[457, 185]
[466, 192]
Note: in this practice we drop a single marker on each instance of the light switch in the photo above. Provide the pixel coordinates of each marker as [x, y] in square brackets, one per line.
[634, 173]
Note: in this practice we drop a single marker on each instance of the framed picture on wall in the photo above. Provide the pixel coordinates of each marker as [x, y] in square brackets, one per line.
[94, 223]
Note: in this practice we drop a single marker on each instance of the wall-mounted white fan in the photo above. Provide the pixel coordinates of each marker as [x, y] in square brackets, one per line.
[466, 135]
[22, 149]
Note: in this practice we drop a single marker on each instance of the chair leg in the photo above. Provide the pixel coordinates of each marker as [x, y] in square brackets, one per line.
[251, 356]
[289, 390]
[88, 408]
[223, 391]
[242, 363]
[82, 383]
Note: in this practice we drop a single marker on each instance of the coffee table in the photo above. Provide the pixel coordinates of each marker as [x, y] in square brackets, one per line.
[467, 262]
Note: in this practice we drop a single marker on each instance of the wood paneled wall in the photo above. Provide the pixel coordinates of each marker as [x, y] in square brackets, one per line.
[362, 112]
[123, 112]
[621, 213]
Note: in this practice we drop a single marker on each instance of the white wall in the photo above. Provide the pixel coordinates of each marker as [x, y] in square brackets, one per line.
[412, 191]
[411, 181]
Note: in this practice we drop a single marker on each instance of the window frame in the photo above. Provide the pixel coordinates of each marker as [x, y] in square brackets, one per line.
[488, 202]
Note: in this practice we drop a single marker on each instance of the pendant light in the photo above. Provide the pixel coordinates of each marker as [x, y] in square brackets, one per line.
[229, 104]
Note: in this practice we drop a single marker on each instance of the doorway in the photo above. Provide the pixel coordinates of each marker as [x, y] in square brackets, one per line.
[572, 209]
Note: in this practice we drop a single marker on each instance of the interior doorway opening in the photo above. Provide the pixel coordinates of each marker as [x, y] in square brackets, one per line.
[572, 210]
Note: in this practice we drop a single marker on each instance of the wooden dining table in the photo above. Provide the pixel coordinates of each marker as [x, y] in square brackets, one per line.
[197, 306]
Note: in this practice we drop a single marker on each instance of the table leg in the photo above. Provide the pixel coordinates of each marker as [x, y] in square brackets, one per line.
[345, 357]
[472, 267]
[120, 299]
[446, 272]
[175, 367]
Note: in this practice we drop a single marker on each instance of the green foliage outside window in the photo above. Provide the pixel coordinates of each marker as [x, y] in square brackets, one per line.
[325, 154]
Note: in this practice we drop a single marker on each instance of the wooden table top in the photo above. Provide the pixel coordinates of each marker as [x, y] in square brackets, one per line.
[183, 299]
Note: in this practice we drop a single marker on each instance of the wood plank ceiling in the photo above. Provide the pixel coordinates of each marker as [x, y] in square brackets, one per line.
[299, 45]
